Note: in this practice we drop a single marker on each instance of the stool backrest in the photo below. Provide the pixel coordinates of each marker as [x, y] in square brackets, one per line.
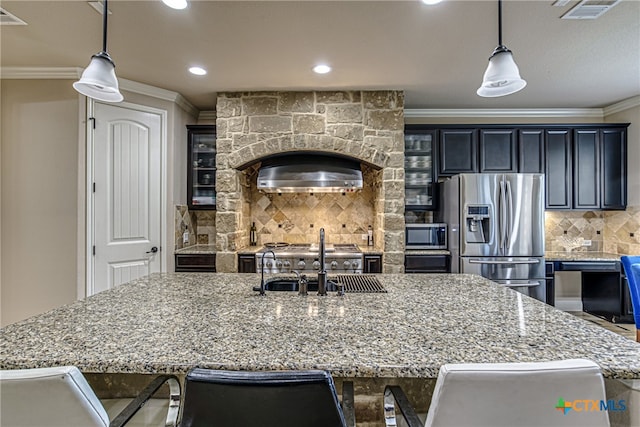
[50, 397]
[519, 394]
[265, 399]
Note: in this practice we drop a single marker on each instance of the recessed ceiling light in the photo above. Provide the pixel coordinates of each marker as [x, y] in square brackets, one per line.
[198, 71]
[321, 69]
[431, 2]
[175, 4]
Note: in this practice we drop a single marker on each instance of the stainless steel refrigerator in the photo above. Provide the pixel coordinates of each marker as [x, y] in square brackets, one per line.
[496, 228]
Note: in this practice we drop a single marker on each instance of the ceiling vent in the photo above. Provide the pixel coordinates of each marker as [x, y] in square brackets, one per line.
[590, 9]
[8, 19]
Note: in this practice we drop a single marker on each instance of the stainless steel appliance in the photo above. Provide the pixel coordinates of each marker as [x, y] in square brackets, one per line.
[305, 258]
[315, 173]
[425, 236]
[496, 228]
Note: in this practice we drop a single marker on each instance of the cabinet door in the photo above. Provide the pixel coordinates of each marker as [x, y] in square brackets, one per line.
[419, 190]
[498, 150]
[201, 175]
[613, 156]
[531, 151]
[586, 172]
[246, 263]
[195, 263]
[427, 263]
[372, 264]
[557, 167]
[458, 152]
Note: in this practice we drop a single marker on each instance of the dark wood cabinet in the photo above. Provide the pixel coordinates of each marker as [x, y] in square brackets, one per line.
[420, 263]
[550, 279]
[613, 174]
[372, 263]
[419, 148]
[557, 168]
[531, 151]
[201, 167]
[498, 151]
[586, 170]
[585, 165]
[246, 263]
[457, 151]
[194, 263]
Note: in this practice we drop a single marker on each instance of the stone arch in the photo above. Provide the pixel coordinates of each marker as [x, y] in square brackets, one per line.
[372, 152]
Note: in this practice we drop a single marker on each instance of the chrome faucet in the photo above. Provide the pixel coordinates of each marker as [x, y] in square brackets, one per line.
[322, 274]
[262, 271]
[302, 282]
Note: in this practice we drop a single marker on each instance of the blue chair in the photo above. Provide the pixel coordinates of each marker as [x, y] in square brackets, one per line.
[631, 266]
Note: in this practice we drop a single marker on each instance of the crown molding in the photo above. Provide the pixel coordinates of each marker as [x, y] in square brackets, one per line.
[73, 73]
[506, 112]
[159, 93]
[25, 73]
[207, 116]
[622, 105]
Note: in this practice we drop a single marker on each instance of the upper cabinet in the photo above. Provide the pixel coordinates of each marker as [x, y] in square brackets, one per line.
[418, 169]
[457, 150]
[586, 168]
[498, 150]
[557, 169]
[201, 167]
[584, 165]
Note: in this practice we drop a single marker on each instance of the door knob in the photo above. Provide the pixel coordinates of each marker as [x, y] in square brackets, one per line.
[153, 250]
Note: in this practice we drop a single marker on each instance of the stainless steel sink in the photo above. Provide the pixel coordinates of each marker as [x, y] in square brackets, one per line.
[353, 283]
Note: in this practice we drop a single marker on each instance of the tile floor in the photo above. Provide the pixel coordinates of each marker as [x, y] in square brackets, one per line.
[627, 330]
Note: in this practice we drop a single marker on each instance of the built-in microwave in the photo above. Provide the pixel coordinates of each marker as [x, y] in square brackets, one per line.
[425, 236]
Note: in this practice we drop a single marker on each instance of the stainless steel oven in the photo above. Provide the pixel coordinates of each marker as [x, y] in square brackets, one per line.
[425, 236]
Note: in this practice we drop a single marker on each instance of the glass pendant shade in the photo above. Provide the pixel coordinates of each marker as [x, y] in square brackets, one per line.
[502, 76]
[99, 80]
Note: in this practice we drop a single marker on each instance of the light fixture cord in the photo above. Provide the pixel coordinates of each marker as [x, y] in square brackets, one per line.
[104, 26]
[499, 22]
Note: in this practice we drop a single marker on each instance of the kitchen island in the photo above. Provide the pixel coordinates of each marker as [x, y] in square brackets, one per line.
[176, 321]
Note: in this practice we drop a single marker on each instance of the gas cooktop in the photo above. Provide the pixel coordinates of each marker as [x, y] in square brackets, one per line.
[304, 257]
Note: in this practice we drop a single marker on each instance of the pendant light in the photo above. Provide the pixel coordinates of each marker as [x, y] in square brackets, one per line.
[502, 76]
[99, 80]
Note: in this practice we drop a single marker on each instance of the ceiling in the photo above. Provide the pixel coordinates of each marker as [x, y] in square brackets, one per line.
[436, 54]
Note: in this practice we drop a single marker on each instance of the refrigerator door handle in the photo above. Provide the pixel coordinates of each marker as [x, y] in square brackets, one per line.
[501, 216]
[493, 261]
[509, 217]
[518, 283]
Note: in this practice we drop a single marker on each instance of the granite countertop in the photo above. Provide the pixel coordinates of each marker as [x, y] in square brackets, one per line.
[581, 256]
[197, 249]
[172, 322]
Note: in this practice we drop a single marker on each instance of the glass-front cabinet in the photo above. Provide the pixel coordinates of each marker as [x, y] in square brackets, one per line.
[201, 176]
[418, 169]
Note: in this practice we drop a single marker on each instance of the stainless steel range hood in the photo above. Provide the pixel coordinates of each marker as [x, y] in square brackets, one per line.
[309, 173]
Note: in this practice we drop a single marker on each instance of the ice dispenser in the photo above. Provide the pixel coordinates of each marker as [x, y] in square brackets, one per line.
[478, 224]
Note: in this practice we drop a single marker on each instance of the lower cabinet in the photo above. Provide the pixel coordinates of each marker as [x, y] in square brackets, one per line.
[372, 263]
[550, 278]
[246, 263]
[427, 263]
[194, 263]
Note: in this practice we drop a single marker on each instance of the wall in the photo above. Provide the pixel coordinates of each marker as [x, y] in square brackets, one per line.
[43, 192]
[622, 229]
[39, 121]
[365, 125]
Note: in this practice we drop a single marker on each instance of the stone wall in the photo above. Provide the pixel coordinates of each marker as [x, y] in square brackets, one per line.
[365, 125]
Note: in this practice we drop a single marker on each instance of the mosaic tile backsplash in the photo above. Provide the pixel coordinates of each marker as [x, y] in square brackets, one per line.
[201, 226]
[298, 217]
[609, 231]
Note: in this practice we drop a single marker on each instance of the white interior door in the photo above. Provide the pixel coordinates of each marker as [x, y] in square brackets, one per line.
[126, 197]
